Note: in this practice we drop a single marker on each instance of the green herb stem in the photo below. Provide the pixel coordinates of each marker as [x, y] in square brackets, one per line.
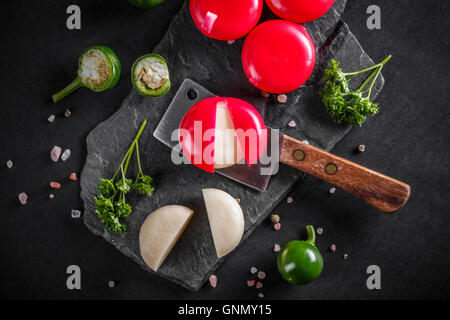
[130, 150]
[311, 234]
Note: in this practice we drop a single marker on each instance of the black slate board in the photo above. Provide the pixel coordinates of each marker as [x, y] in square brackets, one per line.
[216, 65]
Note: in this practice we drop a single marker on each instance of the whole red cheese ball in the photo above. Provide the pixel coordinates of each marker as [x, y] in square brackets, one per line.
[278, 56]
[225, 19]
[300, 10]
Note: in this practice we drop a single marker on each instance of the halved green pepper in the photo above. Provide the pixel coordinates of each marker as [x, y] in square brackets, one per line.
[150, 75]
[146, 4]
[98, 70]
[300, 262]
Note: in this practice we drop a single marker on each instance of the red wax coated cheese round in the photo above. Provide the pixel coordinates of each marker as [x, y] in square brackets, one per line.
[300, 10]
[218, 127]
[278, 56]
[225, 19]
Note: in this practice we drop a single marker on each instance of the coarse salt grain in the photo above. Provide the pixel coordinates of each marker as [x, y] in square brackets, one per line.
[67, 113]
[260, 295]
[55, 153]
[251, 283]
[73, 176]
[332, 190]
[261, 275]
[305, 141]
[276, 247]
[75, 214]
[65, 155]
[282, 98]
[290, 200]
[265, 94]
[238, 200]
[55, 185]
[292, 124]
[230, 42]
[275, 218]
[319, 231]
[361, 148]
[253, 270]
[277, 226]
[259, 285]
[51, 118]
[345, 256]
[23, 198]
[9, 164]
[51, 195]
[213, 280]
[333, 247]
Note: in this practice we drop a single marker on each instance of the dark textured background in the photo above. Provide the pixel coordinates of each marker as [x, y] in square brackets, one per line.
[407, 139]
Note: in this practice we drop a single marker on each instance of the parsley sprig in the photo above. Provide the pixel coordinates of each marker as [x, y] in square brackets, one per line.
[111, 203]
[343, 105]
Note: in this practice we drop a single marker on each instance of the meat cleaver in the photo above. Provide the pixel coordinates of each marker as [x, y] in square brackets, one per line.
[382, 192]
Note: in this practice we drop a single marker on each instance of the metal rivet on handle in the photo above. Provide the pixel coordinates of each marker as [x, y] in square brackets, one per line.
[331, 168]
[299, 155]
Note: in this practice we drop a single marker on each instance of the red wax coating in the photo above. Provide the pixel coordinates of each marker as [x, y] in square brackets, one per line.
[278, 56]
[225, 20]
[300, 10]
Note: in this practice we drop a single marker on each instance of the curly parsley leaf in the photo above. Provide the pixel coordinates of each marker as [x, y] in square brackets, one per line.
[110, 204]
[344, 105]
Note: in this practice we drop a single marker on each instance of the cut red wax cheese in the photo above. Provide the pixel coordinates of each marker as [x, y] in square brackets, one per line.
[300, 10]
[225, 20]
[219, 132]
[278, 56]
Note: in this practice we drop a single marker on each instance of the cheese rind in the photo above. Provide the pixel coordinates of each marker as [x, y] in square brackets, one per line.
[160, 232]
[225, 219]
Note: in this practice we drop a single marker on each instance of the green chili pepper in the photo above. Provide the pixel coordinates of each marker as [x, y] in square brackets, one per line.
[146, 4]
[150, 75]
[299, 262]
[98, 70]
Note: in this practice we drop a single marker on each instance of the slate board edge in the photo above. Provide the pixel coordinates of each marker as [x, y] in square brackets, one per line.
[130, 254]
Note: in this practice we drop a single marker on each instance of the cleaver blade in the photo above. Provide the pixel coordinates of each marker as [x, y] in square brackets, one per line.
[189, 93]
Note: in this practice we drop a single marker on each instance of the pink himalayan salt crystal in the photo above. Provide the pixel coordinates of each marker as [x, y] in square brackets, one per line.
[55, 185]
[292, 124]
[238, 200]
[111, 284]
[282, 98]
[23, 198]
[251, 283]
[55, 153]
[319, 231]
[51, 195]
[290, 200]
[277, 226]
[73, 176]
[276, 247]
[213, 280]
[259, 285]
[333, 247]
[261, 275]
[230, 42]
[265, 94]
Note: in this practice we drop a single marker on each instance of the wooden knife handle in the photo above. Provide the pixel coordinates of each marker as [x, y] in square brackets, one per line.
[382, 192]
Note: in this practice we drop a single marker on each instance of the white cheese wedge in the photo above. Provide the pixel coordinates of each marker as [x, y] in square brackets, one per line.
[227, 150]
[160, 231]
[225, 219]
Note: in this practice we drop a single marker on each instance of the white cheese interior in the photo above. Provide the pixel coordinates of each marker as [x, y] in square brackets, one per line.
[152, 72]
[225, 219]
[227, 150]
[160, 232]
